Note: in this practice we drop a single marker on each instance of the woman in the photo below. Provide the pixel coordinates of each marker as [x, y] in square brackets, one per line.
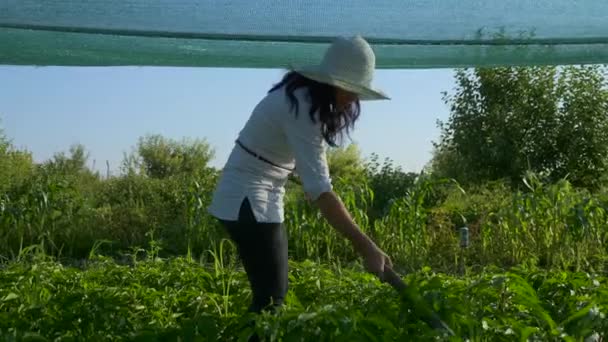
[289, 129]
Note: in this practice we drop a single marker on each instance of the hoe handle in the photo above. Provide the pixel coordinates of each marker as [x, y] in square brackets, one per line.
[392, 278]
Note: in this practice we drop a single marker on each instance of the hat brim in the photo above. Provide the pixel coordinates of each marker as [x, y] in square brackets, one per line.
[364, 93]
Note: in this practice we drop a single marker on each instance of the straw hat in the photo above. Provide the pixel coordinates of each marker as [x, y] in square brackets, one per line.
[349, 63]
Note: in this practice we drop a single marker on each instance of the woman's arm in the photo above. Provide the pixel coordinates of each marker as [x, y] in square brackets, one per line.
[305, 138]
[337, 215]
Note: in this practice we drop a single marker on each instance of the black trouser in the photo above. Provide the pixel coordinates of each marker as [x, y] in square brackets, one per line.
[262, 248]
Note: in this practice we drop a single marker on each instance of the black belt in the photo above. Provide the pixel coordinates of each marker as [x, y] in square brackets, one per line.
[260, 157]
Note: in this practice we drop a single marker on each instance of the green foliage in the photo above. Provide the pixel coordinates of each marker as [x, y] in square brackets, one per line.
[16, 166]
[506, 121]
[75, 163]
[459, 208]
[388, 183]
[555, 226]
[160, 157]
[582, 141]
[346, 163]
[66, 208]
[176, 299]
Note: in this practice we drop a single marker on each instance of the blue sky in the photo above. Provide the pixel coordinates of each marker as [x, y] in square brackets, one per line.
[45, 110]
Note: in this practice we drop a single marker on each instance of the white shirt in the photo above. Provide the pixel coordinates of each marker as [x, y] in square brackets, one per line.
[274, 132]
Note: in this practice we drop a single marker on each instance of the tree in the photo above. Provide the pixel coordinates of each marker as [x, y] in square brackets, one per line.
[4, 142]
[506, 121]
[159, 157]
[345, 163]
[388, 182]
[15, 165]
[75, 162]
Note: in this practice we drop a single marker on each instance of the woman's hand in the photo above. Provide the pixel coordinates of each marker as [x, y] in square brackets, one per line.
[332, 208]
[375, 260]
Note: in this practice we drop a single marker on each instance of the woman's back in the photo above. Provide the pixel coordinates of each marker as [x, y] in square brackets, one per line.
[274, 132]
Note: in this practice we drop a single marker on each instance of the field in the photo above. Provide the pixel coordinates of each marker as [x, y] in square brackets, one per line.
[134, 257]
[165, 300]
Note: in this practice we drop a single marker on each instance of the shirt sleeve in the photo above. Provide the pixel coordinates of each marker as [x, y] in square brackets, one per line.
[308, 146]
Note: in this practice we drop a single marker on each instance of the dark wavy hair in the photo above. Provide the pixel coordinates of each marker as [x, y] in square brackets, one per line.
[323, 99]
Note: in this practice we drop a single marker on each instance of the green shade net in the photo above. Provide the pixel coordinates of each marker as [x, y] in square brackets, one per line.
[277, 34]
